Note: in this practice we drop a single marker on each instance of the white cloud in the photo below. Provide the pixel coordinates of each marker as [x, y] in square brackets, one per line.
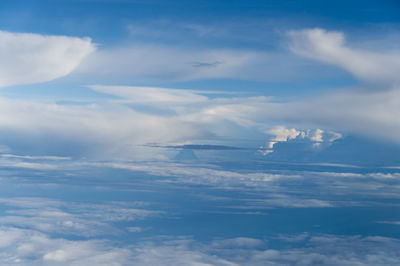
[151, 63]
[191, 115]
[319, 250]
[106, 126]
[29, 247]
[372, 114]
[171, 115]
[120, 126]
[154, 63]
[283, 134]
[71, 218]
[30, 157]
[238, 242]
[32, 58]
[330, 47]
[134, 229]
[151, 95]
[317, 136]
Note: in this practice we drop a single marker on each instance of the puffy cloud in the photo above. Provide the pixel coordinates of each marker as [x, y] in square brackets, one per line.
[282, 134]
[330, 47]
[31, 58]
[317, 135]
[30, 247]
[370, 114]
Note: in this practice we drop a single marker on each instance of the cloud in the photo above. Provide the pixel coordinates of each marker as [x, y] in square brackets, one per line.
[143, 115]
[330, 47]
[33, 58]
[30, 247]
[166, 63]
[281, 134]
[319, 250]
[70, 218]
[171, 117]
[370, 114]
[152, 63]
[29, 157]
[238, 242]
[278, 188]
[47, 127]
[199, 147]
[147, 114]
[151, 95]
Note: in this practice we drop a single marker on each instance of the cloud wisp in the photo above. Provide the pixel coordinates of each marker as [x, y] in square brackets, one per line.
[330, 47]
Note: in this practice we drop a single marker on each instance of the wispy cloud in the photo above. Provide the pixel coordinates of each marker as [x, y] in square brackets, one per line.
[330, 47]
[71, 218]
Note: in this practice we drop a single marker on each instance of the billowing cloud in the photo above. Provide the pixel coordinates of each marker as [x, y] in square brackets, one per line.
[371, 114]
[282, 134]
[31, 58]
[330, 47]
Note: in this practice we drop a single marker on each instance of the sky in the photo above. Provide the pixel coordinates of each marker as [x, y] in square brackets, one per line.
[199, 132]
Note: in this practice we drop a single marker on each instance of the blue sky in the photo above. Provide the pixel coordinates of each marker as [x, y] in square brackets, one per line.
[199, 132]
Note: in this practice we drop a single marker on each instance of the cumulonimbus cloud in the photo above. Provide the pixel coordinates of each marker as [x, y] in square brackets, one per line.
[33, 58]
